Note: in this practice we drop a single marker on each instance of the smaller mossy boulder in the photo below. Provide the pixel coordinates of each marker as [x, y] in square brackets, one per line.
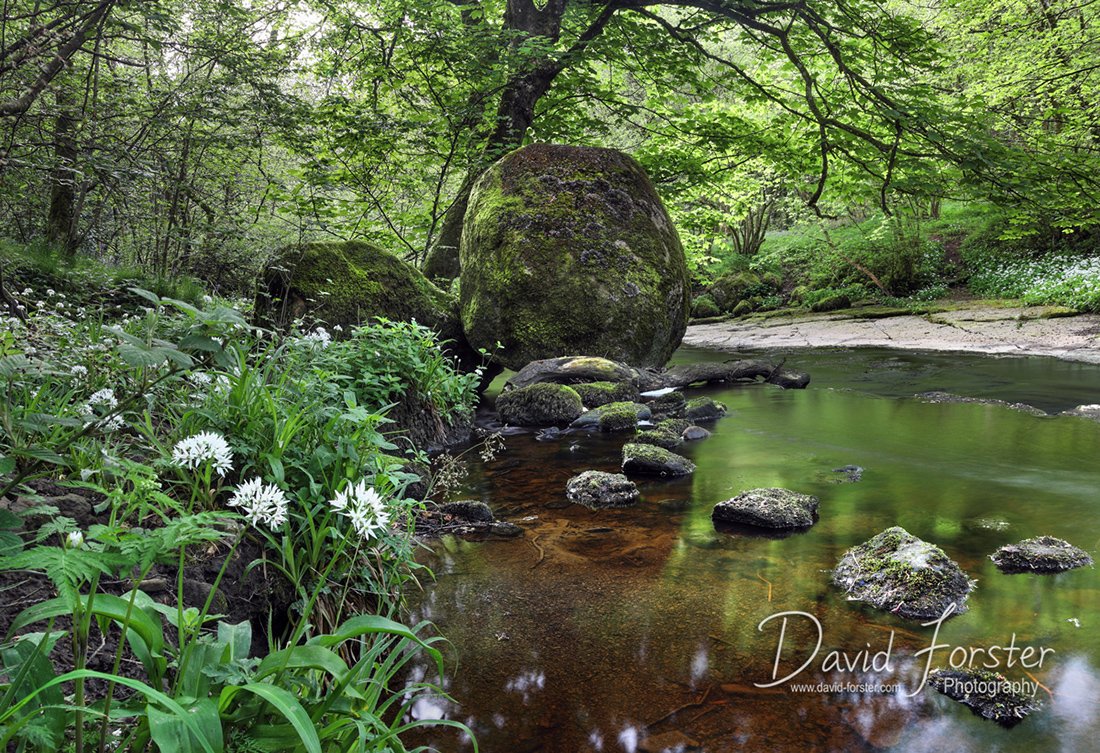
[349, 283]
[469, 510]
[595, 394]
[659, 438]
[593, 419]
[704, 306]
[703, 409]
[743, 308]
[768, 508]
[649, 460]
[1042, 554]
[987, 694]
[618, 417]
[831, 303]
[732, 288]
[897, 572]
[598, 490]
[539, 405]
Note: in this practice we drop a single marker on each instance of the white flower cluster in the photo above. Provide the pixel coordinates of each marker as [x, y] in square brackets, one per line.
[204, 447]
[318, 338]
[363, 506]
[261, 503]
[101, 402]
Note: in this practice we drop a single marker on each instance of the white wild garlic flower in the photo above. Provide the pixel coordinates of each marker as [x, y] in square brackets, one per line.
[101, 403]
[204, 447]
[363, 506]
[261, 503]
[75, 540]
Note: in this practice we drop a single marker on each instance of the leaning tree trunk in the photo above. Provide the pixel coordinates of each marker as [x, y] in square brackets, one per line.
[515, 114]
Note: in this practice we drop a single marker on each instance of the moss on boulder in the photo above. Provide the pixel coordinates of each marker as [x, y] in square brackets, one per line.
[570, 250]
[595, 394]
[733, 288]
[650, 460]
[618, 417]
[659, 438]
[897, 572]
[703, 409]
[539, 405]
[832, 303]
[597, 490]
[594, 418]
[1042, 554]
[704, 306]
[768, 508]
[349, 283]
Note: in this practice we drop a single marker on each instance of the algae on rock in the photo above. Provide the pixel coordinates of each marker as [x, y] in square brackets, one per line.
[570, 250]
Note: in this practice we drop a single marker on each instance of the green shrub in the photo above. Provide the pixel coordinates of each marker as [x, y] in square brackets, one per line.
[704, 306]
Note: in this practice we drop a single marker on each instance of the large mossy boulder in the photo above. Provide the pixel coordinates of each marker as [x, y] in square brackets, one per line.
[570, 250]
[897, 572]
[597, 490]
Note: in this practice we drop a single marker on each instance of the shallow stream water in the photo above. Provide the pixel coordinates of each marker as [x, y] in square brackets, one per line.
[639, 629]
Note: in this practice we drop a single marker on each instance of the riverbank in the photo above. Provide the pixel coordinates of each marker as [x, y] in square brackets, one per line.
[975, 328]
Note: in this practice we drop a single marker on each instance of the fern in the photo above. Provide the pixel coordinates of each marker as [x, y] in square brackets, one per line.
[67, 568]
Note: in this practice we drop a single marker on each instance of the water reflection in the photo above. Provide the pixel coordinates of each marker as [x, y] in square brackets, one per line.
[624, 630]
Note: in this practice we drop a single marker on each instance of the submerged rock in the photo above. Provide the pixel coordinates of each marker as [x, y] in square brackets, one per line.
[900, 573]
[703, 409]
[949, 397]
[569, 250]
[987, 694]
[768, 508]
[539, 405]
[654, 461]
[853, 472]
[1042, 554]
[468, 509]
[694, 433]
[1084, 411]
[598, 490]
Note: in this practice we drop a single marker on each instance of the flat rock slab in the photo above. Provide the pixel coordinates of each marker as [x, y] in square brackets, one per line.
[979, 328]
[598, 490]
[1042, 554]
[899, 573]
[987, 694]
[649, 460]
[768, 508]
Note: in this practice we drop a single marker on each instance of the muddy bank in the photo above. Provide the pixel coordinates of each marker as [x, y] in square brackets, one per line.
[1022, 331]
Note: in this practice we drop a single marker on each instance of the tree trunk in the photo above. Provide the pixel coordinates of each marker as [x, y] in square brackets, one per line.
[61, 220]
[515, 114]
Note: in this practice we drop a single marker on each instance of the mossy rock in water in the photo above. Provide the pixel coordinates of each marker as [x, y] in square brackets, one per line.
[570, 250]
[539, 405]
[832, 303]
[1042, 554]
[575, 370]
[468, 509]
[650, 460]
[671, 405]
[674, 425]
[704, 306]
[732, 288]
[597, 490]
[768, 508]
[594, 418]
[900, 573]
[618, 417]
[595, 394]
[659, 438]
[987, 694]
[703, 409]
